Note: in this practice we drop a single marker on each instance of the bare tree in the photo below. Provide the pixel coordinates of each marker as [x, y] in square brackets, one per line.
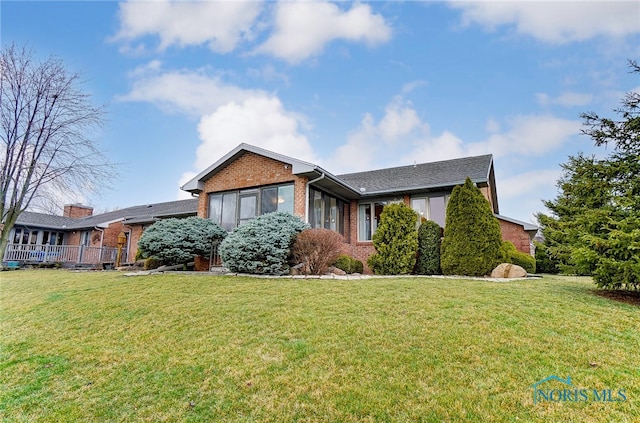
[47, 128]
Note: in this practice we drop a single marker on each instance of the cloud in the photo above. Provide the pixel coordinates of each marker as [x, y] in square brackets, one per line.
[185, 91]
[302, 29]
[555, 22]
[221, 25]
[528, 135]
[568, 99]
[402, 134]
[259, 121]
[524, 184]
[371, 141]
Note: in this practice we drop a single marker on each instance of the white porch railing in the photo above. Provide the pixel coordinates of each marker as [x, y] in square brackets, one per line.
[62, 254]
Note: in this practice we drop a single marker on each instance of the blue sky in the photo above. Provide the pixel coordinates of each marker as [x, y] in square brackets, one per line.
[349, 86]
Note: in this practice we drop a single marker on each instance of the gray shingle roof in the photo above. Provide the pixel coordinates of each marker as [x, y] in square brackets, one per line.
[421, 176]
[135, 214]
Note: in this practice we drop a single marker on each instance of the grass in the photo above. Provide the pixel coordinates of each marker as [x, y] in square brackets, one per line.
[98, 346]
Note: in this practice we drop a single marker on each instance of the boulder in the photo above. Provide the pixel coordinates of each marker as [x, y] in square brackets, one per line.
[507, 270]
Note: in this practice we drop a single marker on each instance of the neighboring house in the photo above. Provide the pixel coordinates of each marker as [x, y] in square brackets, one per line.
[250, 181]
[81, 237]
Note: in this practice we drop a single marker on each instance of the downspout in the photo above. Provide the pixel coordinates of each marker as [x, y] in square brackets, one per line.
[306, 202]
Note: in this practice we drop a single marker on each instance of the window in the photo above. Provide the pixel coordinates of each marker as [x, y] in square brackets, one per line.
[369, 217]
[325, 211]
[431, 208]
[231, 209]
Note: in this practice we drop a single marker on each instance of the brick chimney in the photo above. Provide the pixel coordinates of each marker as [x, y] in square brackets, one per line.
[77, 211]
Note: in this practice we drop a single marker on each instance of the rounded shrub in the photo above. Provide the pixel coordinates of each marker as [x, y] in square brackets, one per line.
[429, 238]
[262, 245]
[510, 254]
[395, 241]
[177, 241]
[317, 249]
[349, 264]
[472, 238]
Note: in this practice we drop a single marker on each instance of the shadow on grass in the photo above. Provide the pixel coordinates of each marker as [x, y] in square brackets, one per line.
[628, 297]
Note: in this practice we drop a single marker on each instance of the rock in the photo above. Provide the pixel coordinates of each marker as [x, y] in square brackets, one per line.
[507, 270]
[336, 271]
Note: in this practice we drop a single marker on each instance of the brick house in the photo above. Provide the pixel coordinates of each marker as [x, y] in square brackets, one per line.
[250, 181]
[80, 237]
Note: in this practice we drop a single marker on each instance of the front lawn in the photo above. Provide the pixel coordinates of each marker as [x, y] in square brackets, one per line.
[99, 346]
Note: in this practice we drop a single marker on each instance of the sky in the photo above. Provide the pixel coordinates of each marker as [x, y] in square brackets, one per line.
[348, 86]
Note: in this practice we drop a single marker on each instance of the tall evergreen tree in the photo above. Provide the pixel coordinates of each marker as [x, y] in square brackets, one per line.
[594, 226]
[472, 238]
[395, 240]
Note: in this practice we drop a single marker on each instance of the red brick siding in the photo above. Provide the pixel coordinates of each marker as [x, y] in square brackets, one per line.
[516, 234]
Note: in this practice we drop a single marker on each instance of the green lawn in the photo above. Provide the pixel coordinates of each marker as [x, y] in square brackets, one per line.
[99, 346]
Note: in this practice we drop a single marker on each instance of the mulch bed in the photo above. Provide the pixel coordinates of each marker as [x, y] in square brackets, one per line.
[628, 297]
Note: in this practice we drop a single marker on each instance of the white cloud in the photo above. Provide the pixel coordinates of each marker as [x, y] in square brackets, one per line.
[524, 184]
[528, 135]
[192, 92]
[568, 99]
[302, 29]
[259, 121]
[219, 24]
[555, 22]
[371, 141]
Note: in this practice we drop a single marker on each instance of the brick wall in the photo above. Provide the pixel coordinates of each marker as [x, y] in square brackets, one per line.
[251, 171]
[516, 234]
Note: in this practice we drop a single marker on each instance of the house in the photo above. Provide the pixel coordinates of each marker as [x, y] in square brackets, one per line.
[80, 237]
[250, 181]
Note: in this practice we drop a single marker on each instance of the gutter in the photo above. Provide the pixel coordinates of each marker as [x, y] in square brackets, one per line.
[306, 196]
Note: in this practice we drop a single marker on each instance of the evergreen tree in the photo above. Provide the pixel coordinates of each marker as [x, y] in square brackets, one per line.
[472, 238]
[178, 241]
[395, 240]
[429, 238]
[594, 226]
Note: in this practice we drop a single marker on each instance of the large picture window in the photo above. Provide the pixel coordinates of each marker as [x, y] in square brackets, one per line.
[233, 208]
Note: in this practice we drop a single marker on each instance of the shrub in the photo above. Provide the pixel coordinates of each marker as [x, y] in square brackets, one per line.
[472, 238]
[317, 249]
[349, 264]
[178, 241]
[152, 263]
[262, 245]
[429, 236]
[510, 254]
[395, 241]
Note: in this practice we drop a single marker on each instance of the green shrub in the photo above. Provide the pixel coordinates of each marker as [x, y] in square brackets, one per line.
[349, 264]
[472, 238]
[262, 245]
[395, 241]
[429, 237]
[152, 263]
[544, 262]
[178, 241]
[317, 249]
[510, 254]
